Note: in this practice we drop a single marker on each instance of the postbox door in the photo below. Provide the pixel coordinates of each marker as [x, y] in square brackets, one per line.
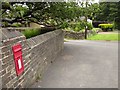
[17, 52]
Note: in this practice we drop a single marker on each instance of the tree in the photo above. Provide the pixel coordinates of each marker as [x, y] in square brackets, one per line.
[89, 9]
[22, 12]
[107, 11]
[39, 12]
[117, 19]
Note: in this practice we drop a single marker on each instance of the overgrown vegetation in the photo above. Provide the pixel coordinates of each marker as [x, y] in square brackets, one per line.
[31, 32]
[78, 26]
[34, 32]
[64, 15]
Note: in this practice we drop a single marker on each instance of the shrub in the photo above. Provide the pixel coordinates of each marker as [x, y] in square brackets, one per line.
[106, 26]
[31, 32]
[16, 25]
[34, 32]
[5, 24]
[89, 26]
[64, 25]
[77, 26]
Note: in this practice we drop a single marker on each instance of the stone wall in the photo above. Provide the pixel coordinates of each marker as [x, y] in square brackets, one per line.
[38, 53]
[78, 35]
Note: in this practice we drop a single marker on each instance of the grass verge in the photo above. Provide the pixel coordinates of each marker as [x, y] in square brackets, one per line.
[107, 37]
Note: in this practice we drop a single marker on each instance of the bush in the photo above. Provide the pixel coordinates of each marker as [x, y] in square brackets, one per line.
[105, 27]
[31, 32]
[16, 25]
[34, 32]
[77, 26]
[89, 26]
[64, 25]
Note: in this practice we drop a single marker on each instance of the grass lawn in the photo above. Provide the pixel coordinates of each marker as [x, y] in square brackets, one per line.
[107, 37]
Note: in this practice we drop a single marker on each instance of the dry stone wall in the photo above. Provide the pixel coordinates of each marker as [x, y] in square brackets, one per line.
[78, 35]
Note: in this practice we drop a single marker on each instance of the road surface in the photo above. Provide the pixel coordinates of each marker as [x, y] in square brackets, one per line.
[83, 64]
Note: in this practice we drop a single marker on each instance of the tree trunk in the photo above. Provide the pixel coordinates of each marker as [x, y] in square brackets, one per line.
[86, 22]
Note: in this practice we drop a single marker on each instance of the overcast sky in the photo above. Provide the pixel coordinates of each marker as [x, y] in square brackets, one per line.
[109, 0]
[96, 1]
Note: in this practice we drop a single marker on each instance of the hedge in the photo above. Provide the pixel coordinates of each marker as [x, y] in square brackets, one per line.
[105, 27]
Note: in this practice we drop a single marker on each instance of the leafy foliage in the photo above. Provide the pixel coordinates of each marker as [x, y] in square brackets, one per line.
[109, 11]
[31, 32]
[51, 13]
[89, 26]
[78, 26]
[48, 13]
[106, 26]
[16, 25]
[58, 14]
[36, 31]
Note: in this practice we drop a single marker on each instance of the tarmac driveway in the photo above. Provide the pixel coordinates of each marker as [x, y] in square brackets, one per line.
[83, 64]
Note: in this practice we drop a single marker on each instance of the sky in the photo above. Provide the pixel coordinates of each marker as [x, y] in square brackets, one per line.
[96, 1]
[109, 0]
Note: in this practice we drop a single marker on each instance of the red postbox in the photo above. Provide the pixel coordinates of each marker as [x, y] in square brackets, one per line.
[17, 52]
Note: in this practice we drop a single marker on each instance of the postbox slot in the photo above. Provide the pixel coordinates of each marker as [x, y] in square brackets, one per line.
[18, 49]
